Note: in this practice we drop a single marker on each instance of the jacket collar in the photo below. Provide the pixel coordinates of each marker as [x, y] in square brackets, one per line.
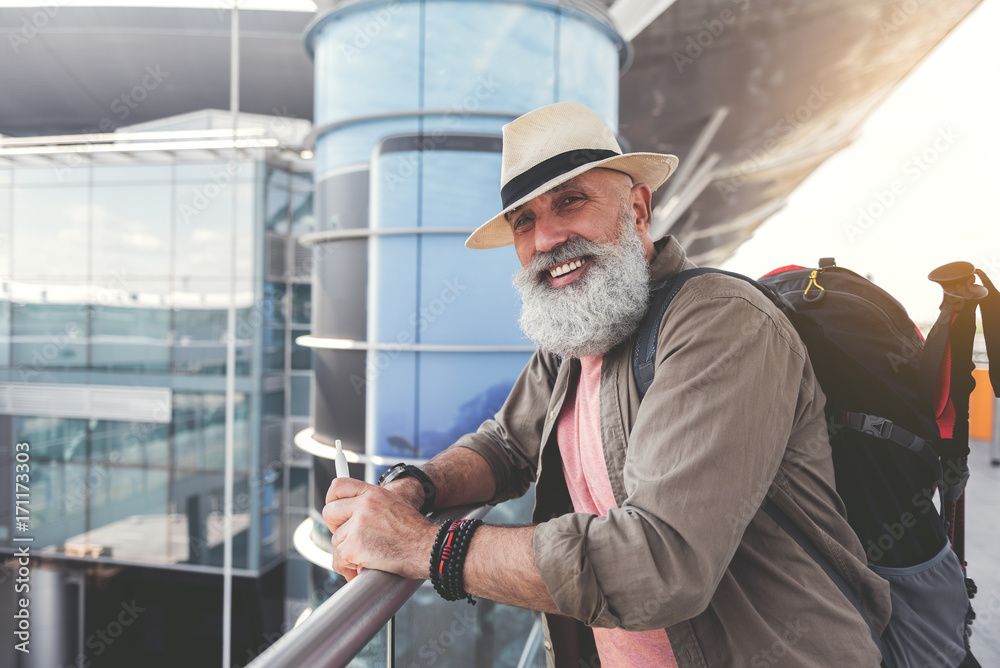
[669, 260]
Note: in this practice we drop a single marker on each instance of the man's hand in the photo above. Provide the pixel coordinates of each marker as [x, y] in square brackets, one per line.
[375, 528]
[410, 489]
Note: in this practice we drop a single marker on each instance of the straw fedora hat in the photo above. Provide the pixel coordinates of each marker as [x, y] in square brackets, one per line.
[552, 144]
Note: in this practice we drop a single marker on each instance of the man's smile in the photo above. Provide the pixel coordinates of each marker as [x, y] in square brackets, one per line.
[566, 272]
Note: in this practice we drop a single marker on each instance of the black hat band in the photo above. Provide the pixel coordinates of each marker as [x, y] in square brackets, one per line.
[548, 169]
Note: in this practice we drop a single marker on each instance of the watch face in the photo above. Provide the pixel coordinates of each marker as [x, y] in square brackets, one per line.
[391, 474]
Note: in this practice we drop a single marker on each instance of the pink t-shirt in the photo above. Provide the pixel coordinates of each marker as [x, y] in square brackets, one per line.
[579, 436]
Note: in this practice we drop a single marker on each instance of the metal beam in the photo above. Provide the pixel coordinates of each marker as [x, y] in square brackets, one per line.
[701, 142]
[631, 17]
[670, 212]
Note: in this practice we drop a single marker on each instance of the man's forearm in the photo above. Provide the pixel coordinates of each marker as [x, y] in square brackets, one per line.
[460, 477]
[500, 566]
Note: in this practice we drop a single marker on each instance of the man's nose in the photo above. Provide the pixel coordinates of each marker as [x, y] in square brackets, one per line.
[550, 233]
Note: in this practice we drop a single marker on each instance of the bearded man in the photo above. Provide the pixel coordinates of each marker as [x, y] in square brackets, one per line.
[648, 546]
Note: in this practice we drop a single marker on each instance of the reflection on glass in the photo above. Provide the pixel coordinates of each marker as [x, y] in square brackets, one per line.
[301, 393]
[58, 476]
[390, 60]
[276, 201]
[125, 338]
[197, 530]
[202, 230]
[129, 515]
[131, 230]
[4, 331]
[51, 231]
[456, 391]
[199, 423]
[589, 65]
[48, 337]
[201, 326]
[144, 444]
[133, 173]
[274, 349]
[513, 63]
[302, 303]
[5, 196]
[302, 212]
[274, 404]
[273, 307]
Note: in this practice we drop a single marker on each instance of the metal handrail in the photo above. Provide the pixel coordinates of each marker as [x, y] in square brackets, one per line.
[340, 628]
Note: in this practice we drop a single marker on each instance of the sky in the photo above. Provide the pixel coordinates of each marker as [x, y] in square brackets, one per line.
[937, 140]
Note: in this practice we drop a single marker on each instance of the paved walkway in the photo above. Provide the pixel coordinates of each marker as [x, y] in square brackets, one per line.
[982, 547]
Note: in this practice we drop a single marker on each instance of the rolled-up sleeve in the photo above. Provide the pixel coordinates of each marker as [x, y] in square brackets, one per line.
[704, 448]
[510, 442]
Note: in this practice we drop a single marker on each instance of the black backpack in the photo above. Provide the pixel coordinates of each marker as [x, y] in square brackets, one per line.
[897, 409]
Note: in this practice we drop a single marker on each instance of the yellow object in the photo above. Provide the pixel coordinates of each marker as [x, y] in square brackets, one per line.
[981, 407]
[812, 282]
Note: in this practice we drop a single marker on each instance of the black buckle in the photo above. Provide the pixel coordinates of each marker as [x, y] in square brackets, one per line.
[877, 426]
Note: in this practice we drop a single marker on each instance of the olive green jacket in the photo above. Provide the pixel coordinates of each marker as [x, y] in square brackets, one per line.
[734, 413]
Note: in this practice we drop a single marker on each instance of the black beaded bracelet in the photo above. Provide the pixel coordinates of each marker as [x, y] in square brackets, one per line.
[448, 556]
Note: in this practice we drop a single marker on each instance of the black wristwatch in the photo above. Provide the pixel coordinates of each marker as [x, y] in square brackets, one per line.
[401, 471]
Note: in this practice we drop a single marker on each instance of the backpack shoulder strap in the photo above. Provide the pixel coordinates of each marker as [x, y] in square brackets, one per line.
[644, 353]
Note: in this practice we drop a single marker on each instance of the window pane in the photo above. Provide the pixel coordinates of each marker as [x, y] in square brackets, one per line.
[199, 421]
[5, 197]
[274, 349]
[302, 212]
[301, 356]
[131, 225]
[51, 231]
[133, 173]
[302, 303]
[203, 240]
[143, 444]
[301, 393]
[125, 338]
[197, 532]
[48, 337]
[58, 476]
[201, 323]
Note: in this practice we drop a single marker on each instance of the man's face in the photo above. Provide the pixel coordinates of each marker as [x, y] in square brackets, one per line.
[585, 252]
[588, 206]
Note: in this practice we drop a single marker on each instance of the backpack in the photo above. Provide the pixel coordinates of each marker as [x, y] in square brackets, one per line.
[897, 409]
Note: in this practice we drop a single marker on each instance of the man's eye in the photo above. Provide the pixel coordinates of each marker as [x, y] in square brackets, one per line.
[522, 223]
[570, 199]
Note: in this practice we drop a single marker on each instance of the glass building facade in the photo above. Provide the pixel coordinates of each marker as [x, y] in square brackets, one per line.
[115, 284]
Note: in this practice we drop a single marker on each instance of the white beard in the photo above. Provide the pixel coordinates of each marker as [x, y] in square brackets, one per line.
[597, 311]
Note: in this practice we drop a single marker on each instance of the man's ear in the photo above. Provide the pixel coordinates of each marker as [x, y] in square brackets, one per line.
[641, 198]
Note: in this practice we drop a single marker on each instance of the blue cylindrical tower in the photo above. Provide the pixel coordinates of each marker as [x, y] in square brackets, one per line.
[415, 337]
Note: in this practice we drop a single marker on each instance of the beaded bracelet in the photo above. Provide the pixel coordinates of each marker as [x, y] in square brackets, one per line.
[448, 556]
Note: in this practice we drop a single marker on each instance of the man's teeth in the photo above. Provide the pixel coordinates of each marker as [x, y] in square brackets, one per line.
[566, 268]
